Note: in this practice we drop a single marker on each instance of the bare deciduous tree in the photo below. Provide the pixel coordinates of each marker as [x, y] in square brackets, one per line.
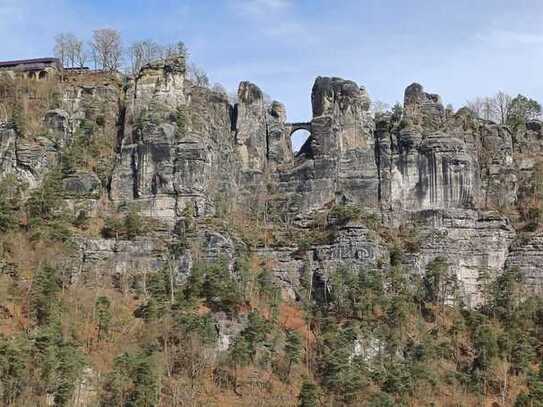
[198, 75]
[106, 49]
[76, 53]
[483, 107]
[69, 49]
[495, 108]
[503, 105]
[217, 87]
[378, 106]
[176, 49]
[141, 53]
[61, 48]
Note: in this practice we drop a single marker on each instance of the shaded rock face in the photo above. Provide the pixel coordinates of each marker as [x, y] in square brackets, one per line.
[145, 166]
[82, 184]
[531, 141]
[251, 132]
[184, 150]
[340, 163]
[177, 145]
[426, 162]
[474, 244]
[526, 256]
[28, 160]
[279, 151]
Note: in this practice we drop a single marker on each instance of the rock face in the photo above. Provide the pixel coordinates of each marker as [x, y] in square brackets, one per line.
[251, 129]
[176, 144]
[426, 164]
[183, 151]
[474, 243]
[340, 164]
[148, 138]
[526, 255]
[26, 160]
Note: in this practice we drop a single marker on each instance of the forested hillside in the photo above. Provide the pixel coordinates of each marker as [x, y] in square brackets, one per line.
[162, 245]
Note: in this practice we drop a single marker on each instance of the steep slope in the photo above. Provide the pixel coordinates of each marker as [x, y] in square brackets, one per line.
[134, 178]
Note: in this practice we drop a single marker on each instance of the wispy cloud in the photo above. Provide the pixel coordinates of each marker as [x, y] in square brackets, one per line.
[260, 7]
[275, 19]
[510, 38]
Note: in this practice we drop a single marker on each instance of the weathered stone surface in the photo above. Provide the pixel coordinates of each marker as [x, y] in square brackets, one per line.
[177, 145]
[423, 109]
[26, 159]
[530, 140]
[251, 127]
[426, 162]
[130, 259]
[82, 184]
[526, 255]
[183, 151]
[279, 154]
[340, 163]
[119, 257]
[472, 242]
[59, 127]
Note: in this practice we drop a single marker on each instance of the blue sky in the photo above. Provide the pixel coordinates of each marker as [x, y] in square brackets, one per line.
[457, 48]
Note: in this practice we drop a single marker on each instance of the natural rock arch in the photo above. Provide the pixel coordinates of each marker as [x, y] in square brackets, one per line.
[303, 129]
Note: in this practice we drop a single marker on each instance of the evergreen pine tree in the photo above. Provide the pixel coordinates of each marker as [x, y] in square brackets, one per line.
[103, 316]
[43, 300]
[309, 394]
[293, 349]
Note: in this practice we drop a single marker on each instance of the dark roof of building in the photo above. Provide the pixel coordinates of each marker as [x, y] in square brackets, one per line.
[6, 64]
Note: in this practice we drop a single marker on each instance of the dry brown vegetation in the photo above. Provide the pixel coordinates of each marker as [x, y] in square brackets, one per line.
[25, 101]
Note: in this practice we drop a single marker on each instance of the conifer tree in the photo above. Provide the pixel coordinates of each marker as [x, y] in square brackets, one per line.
[45, 287]
[103, 316]
[293, 349]
[309, 394]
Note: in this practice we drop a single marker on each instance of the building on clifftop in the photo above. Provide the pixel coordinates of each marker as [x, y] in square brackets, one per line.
[39, 68]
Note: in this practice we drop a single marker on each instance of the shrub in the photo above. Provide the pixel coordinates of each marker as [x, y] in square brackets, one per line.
[343, 214]
[45, 203]
[113, 228]
[132, 382]
[293, 349]
[130, 226]
[7, 218]
[12, 370]
[133, 224]
[81, 220]
[438, 285]
[214, 283]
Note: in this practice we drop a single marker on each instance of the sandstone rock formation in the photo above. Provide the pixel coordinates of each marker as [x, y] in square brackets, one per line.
[182, 151]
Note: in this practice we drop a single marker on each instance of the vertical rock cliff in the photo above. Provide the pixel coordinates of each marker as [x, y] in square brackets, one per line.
[178, 152]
